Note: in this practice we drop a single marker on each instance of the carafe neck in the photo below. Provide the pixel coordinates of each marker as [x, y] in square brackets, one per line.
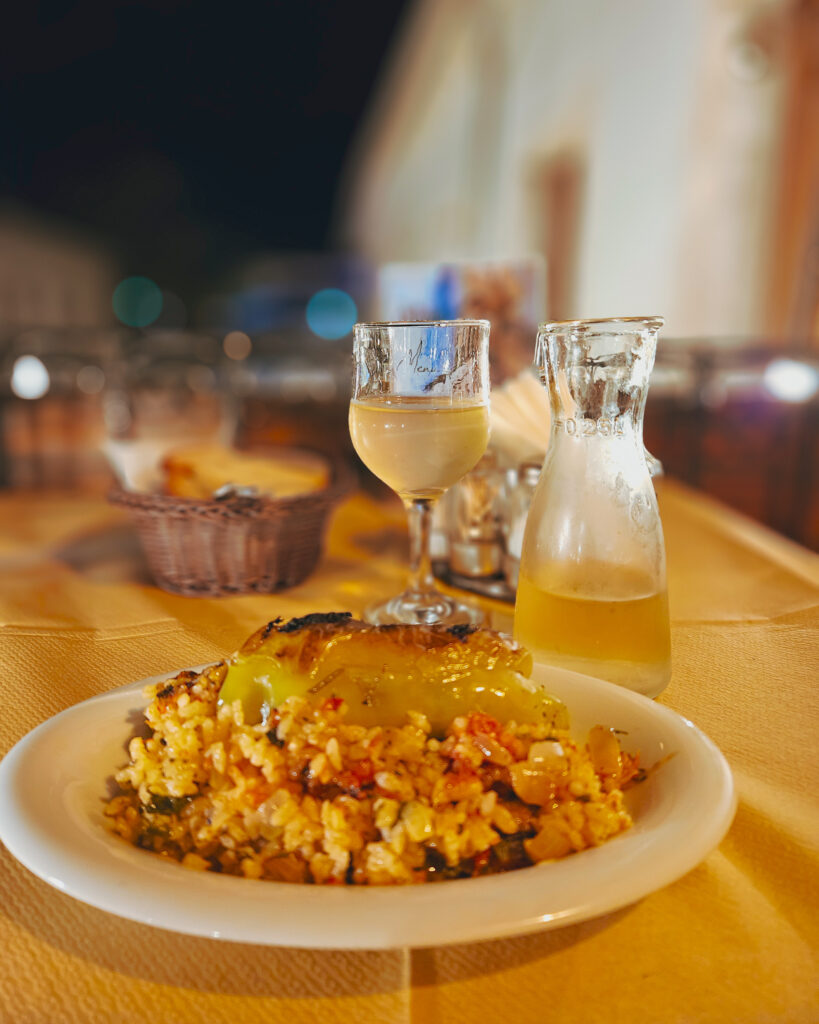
[597, 373]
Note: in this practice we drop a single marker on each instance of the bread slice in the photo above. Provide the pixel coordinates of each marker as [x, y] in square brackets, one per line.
[199, 471]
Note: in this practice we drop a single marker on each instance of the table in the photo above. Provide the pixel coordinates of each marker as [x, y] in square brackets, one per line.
[734, 940]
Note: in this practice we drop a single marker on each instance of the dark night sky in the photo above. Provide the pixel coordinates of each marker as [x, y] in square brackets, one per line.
[187, 135]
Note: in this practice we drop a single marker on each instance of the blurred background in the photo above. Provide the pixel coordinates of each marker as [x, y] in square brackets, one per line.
[210, 197]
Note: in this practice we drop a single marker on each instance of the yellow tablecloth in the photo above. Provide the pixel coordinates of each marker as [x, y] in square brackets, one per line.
[734, 940]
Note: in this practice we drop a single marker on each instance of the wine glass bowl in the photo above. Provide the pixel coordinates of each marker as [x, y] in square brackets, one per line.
[419, 420]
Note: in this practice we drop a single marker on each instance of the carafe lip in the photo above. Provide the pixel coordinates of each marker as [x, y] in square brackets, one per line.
[458, 322]
[653, 323]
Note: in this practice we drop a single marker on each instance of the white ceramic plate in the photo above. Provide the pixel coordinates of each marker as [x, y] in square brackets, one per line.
[53, 782]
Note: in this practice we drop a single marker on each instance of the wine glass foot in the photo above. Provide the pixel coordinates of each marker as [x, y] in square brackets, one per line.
[424, 609]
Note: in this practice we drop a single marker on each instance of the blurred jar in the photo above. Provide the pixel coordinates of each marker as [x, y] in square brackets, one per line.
[168, 392]
[51, 417]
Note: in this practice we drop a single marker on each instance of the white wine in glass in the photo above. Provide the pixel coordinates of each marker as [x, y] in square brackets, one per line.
[418, 446]
[419, 420]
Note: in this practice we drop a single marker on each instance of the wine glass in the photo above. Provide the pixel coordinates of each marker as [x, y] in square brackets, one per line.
[419, 420]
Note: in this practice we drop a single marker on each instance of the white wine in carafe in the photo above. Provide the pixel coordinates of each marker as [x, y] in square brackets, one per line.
[605, 616]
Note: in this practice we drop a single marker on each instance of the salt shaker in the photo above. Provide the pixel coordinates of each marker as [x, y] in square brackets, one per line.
[474, 521]
[516, 509]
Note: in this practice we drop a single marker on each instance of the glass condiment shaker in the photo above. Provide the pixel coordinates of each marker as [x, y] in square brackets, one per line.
[474, 521]
[516, 505]
[592, 593]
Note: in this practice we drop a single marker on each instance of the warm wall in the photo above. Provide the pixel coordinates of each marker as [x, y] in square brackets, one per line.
[670, 110]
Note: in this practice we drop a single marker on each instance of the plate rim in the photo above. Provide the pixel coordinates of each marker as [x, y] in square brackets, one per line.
[52, 861]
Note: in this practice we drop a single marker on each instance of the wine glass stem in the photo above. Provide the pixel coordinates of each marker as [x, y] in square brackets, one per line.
[419, 515]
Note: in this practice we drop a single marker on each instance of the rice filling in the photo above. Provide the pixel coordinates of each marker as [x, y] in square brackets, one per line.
[307, 796]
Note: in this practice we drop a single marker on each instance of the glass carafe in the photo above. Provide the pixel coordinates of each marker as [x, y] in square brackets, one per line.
[592, 593]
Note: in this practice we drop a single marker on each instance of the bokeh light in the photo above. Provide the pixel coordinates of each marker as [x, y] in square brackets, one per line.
[29, 377]
[237, 345]
[331, 313]
[90, 380]
[137, 301]
[790, 380]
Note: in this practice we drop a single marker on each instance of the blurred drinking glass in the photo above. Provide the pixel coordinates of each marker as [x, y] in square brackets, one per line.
[165, 396]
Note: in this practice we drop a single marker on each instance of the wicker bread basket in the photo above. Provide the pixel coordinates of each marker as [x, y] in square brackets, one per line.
[234, 545]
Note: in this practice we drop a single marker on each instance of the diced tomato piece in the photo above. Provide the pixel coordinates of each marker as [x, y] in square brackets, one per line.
[479, 722]
[363, 770]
